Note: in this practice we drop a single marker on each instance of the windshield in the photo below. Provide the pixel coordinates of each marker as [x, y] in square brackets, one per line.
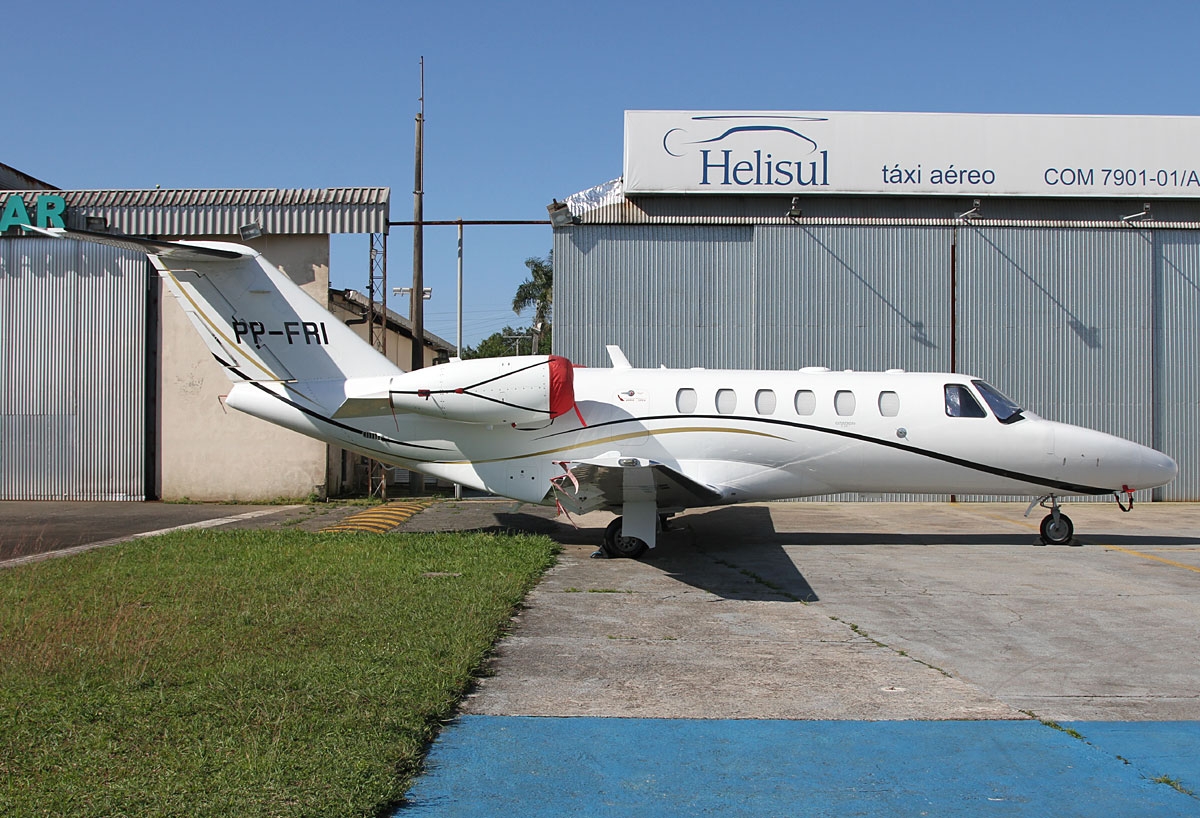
[1005, 410]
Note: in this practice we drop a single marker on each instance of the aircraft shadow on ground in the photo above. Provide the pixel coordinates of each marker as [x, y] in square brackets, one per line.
[738, 557]
[735, 552]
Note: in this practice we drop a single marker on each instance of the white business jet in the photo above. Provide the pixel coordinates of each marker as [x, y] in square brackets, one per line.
[644, 443]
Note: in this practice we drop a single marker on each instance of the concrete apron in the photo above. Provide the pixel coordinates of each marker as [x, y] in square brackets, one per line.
[885, 673]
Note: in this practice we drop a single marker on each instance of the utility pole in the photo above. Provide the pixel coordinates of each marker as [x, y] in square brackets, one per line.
[417, 310]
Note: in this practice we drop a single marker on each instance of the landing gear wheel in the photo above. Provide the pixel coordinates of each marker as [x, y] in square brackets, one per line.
[1057, 532]
[616, 545]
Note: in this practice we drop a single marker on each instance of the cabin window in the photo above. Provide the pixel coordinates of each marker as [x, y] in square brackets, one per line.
[806, 402]
[764, 402]
[960, 403]
[889, 404]
[726, 401]
[843, 402]
[686, 401]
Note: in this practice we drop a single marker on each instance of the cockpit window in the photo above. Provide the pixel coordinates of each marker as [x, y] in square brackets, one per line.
[960, 403]
[1005, 410]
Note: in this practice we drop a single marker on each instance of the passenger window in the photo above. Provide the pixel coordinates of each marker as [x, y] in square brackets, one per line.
[726, 401]
[889, 404]
[960, 403]
[764, 402]
[806, 402]
[686, 400]
[843, 402]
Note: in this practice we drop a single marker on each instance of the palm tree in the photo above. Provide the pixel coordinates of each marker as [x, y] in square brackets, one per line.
[537, 291]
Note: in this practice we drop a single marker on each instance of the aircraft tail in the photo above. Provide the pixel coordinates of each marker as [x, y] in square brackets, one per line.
[258, 323]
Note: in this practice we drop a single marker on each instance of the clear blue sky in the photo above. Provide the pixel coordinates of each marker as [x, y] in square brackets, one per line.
[523, 100]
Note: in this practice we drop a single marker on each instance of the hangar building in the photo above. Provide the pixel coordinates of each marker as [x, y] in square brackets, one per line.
[106, 391]
[1058, 257]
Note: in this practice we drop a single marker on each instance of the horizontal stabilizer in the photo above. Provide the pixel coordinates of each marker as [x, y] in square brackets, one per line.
[176, 250]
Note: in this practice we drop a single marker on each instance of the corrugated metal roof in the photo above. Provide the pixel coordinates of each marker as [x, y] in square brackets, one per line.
[195, 212]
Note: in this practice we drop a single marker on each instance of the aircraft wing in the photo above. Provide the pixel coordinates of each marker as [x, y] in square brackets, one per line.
[612, 480]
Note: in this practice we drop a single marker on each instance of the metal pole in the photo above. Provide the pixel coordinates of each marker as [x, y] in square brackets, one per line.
[458, 333]
[417, 306]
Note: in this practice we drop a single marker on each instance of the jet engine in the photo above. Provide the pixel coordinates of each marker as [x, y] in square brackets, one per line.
[521, 389]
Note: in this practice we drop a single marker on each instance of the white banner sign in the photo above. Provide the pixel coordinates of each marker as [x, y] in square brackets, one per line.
[917, 154]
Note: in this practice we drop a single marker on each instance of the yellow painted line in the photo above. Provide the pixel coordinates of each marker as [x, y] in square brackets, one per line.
[378, 520]
[1152, 557]
[1019, 520]
[1170, 550]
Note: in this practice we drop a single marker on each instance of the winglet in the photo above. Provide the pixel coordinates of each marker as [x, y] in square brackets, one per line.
[619, 361]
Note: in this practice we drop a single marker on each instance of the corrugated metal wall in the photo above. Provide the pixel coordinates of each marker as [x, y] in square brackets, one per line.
[1176, 406]
[847, 298]
[679, 296]
[72, 371]
[1060, 320]
[1092, 325]
[761, 297]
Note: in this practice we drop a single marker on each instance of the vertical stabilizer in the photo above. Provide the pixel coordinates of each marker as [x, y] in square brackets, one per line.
[258, 323]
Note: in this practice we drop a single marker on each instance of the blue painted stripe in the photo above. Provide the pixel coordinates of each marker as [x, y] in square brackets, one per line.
[1155, 748]
[505, 765]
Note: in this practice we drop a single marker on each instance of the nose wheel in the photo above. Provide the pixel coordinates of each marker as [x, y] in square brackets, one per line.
[1057, 531]
[1056, 527]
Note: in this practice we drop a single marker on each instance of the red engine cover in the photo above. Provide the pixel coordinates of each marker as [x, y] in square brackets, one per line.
[562, 386]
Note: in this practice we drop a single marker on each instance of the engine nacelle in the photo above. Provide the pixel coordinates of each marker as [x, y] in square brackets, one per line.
[520, 389]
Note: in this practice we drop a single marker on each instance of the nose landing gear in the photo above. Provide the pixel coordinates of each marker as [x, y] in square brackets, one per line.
[1056, 527]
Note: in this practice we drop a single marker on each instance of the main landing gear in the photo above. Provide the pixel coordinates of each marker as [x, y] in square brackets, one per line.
[616, 545]
[1056, 527]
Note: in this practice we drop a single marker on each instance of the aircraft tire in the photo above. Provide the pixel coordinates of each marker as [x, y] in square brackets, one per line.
[1057, 534]
[617, 546]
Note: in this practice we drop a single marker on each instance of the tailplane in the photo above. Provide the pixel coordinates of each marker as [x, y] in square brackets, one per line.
[258, 323]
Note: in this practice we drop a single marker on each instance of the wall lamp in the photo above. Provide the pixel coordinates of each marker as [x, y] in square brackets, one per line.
[250, 231]
[974, 211]
[560, 214]
[794, 212]
[1132, 217]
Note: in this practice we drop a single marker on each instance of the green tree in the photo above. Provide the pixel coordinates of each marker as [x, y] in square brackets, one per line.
[537, 291]
[508, 341]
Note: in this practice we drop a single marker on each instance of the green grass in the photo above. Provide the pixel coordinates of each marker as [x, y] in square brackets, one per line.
[243, 673]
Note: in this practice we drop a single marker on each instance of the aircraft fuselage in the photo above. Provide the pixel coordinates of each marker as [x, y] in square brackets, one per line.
[753, 435]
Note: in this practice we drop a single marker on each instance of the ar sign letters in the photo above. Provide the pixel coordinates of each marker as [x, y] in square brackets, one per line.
[49, 208]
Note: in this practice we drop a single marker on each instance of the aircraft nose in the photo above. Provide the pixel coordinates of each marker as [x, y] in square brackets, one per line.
[1140, 467]
[1157, 469]
[1105, 461]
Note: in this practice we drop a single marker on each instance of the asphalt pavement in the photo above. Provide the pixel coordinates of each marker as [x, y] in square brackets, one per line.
[31, 530]
[840, 659]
